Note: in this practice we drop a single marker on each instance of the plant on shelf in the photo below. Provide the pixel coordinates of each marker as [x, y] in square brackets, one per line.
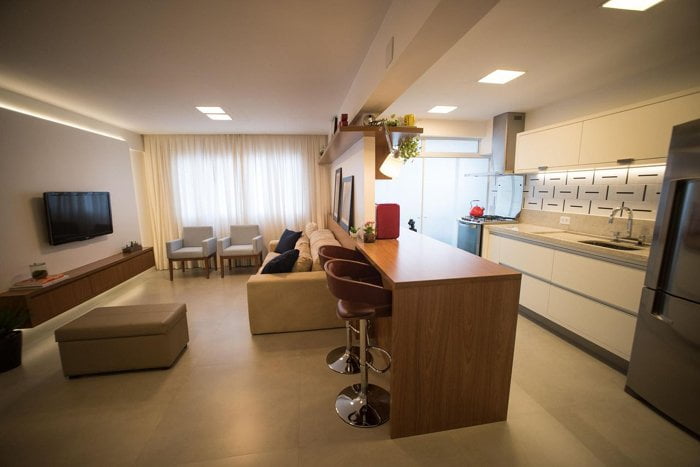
[370, 235]
[12, 316]
[409, 148]
[353, 231]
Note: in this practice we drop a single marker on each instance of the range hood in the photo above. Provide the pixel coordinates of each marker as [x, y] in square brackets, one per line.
[505, 127]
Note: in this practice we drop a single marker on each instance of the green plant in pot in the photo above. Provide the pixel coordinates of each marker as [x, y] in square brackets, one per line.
[370, 235]
[409, 148]
[11, 318]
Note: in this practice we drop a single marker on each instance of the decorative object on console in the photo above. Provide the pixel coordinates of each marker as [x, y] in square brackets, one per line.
[38, 271]
[336, 193]
[282, 263]
[287, 241]
[39, 283]
[131, 247]
[370, 235]
[346, 202]
[12, 316]
[353, 231]
[388, 217]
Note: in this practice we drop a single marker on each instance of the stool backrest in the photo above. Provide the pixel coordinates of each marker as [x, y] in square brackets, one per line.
[343, 277]
[328, 252]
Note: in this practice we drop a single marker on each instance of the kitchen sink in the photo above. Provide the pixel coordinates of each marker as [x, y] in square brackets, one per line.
[614, 246]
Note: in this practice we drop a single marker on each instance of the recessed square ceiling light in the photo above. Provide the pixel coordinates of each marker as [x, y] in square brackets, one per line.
[635, 5]
[501, 76]
[211, 110]
[219, 116]
[442, 109]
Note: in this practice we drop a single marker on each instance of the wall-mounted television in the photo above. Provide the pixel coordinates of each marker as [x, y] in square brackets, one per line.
[77, 215]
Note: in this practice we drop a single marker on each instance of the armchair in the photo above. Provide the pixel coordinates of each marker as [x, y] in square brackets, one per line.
[197, 243]
[245, 241]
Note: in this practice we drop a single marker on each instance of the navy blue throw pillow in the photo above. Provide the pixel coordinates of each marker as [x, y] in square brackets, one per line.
[282, 263]
[287, 241]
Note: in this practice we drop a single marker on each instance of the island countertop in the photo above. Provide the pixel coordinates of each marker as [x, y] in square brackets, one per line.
[415, 258]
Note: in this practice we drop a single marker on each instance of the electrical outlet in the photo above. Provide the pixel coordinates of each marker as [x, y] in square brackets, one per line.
[565, 220]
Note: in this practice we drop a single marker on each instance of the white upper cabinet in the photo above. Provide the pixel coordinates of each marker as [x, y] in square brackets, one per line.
[640, 133]
[554, 147]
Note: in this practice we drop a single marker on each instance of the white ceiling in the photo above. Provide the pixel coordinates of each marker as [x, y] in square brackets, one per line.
[285, 66]
[567, 48]
[276, 66]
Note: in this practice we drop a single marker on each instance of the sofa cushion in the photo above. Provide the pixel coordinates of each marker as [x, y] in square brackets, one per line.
[305, 261]
[287, 241]
[310, 228]
[318, 239]
[282, 263]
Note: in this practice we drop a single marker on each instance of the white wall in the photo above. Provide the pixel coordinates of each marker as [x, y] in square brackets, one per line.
[358, 161]
[37, 156]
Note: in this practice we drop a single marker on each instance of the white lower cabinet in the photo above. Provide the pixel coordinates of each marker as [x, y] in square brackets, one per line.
[609, 328]
[568, 289]
[490, 246]
[534, 294]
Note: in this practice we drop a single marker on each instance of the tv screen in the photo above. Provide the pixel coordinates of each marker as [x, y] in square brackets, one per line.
[77, 215]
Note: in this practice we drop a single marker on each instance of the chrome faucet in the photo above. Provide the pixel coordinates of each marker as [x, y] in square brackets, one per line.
[630, 220]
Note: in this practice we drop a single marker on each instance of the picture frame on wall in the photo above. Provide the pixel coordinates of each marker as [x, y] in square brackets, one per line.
[336, 194]
[346, 201]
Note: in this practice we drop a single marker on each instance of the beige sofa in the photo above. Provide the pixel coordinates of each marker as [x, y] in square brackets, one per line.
[295, 301]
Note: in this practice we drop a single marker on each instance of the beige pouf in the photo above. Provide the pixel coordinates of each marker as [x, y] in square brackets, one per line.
[123, 338]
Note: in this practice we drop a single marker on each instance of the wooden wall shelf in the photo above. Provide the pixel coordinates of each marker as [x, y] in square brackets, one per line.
[82, 284]
[346, 136]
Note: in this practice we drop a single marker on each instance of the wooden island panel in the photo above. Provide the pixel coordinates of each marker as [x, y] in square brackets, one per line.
[451, 334]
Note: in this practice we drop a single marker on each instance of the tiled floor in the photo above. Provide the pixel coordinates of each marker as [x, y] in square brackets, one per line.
[238, 400]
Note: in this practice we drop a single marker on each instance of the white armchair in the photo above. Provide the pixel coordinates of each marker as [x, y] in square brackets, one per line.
[245, 241]
[197, 243]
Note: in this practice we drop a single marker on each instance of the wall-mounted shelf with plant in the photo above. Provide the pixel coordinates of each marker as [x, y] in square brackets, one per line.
[346, 136]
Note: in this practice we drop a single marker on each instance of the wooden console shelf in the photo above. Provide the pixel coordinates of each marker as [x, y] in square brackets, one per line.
[346, 136]
[82, 284]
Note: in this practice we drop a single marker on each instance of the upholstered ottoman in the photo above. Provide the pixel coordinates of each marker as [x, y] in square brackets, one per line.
[123, 338]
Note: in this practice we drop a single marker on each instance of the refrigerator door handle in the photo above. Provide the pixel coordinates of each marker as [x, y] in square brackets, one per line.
[661, 231]
[664, 319]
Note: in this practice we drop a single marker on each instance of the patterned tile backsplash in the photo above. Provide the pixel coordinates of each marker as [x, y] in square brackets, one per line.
[596, 192]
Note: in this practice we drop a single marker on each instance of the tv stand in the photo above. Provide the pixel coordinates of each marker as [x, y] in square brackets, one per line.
[82, 284]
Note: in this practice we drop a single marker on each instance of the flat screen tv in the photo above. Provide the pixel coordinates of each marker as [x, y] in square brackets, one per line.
[77, 215]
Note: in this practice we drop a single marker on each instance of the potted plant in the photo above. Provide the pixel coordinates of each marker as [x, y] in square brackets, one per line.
[353, 231]
[370, 235]
[409, 148]
[11, 318]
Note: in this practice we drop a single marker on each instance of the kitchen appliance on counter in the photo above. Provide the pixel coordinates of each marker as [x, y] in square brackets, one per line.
[664, 368]
[505, 202]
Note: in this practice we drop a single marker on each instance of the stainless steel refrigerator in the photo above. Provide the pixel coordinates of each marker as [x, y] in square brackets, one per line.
[664, 367]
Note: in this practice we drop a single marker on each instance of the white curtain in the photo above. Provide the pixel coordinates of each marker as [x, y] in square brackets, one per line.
[220, 180]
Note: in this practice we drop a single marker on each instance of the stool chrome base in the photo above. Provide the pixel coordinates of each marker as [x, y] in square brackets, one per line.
[344, 362]
[365, 411]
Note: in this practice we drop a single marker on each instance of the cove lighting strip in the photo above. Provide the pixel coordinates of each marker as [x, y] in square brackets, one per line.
[31, 113]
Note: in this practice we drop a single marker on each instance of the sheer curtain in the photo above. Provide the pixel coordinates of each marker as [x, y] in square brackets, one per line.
[269, 180]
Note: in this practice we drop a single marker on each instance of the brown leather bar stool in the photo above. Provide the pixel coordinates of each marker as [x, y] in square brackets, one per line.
[362, 405]
[345, 360]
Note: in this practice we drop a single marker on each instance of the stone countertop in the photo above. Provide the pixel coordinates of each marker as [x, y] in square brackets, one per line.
[568, 240]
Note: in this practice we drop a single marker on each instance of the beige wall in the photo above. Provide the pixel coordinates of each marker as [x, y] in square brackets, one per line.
[358, 161]
[37, 156]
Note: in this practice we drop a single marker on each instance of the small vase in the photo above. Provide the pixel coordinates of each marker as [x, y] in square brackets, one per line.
[370, 238]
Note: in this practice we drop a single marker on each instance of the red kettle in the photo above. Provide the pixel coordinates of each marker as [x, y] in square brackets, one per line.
[476, 210]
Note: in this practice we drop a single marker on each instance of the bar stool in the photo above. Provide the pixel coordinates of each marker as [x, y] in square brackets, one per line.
[362, 405]
[344, 360]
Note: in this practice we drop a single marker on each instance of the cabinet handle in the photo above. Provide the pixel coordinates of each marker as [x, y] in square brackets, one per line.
[625, 161]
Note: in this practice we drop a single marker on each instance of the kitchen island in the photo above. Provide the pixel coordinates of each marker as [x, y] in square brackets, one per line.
[451, 333]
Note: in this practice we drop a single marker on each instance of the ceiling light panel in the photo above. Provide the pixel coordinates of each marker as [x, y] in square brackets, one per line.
[219, 116]
[634, 5]
[501, 76]
[442, 109]
[211, 110]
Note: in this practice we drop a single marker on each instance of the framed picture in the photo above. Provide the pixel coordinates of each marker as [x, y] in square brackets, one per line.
[336, 194]
[346, 203]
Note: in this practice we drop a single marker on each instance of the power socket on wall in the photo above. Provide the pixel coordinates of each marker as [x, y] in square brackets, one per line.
[565, 220]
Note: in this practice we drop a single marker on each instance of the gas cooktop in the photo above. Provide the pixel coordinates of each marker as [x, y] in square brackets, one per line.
[487, 219]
